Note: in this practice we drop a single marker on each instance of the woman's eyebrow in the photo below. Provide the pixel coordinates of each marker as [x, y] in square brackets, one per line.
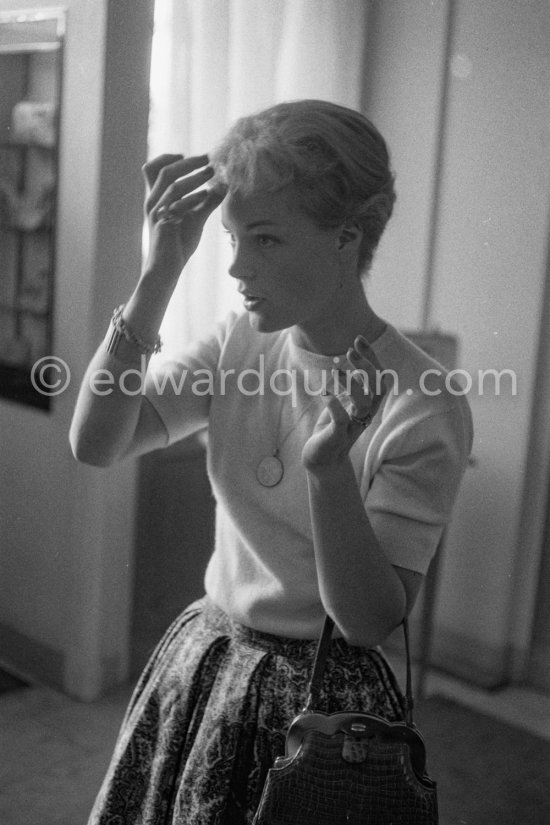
[254, 224]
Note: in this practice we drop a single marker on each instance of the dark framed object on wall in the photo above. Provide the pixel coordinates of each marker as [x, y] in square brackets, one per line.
[31, 62]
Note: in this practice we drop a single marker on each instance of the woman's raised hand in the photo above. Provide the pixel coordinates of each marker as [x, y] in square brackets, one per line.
[338, 429]
[177, 206]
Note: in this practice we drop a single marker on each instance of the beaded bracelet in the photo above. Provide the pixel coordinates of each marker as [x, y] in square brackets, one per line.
[120, 329]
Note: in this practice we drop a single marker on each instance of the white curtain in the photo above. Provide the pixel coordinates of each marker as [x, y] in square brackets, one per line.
[215, 60]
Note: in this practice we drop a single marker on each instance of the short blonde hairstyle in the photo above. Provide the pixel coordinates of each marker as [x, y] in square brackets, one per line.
[334, 157]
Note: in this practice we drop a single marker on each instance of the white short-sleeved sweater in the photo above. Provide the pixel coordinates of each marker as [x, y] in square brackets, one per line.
[260, 392]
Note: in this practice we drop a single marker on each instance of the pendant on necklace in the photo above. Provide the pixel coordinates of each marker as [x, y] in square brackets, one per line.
[270, 471]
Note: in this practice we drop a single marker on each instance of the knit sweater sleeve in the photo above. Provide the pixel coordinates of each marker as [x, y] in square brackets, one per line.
[180, 386]
[411, 494]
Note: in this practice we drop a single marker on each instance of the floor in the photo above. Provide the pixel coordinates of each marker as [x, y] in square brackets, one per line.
[490, 754]
[53, 755]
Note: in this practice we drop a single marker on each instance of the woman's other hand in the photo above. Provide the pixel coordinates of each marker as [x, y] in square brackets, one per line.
[177, 205]
[337, 428]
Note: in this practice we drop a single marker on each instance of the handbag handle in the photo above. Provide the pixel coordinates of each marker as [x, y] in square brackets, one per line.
[321, 658]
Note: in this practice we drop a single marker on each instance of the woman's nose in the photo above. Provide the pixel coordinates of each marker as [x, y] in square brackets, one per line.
[241, 266]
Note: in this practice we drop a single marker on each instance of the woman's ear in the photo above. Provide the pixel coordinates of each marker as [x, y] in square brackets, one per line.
[350, 237]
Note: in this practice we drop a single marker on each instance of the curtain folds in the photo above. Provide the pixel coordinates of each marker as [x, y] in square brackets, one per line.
[215, 60]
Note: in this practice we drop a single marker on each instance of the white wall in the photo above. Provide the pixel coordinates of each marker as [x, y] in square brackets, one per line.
[66, 531]
[489, 267]
[405, 53]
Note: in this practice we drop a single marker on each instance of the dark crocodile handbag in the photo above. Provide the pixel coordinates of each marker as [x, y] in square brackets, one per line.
[349, 768]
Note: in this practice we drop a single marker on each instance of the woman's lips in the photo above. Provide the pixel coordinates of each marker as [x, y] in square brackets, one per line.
[252, 302]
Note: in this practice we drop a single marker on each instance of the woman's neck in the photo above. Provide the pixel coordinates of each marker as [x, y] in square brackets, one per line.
[334, 334]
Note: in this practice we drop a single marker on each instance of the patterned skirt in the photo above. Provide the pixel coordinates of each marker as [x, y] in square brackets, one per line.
[209, 716]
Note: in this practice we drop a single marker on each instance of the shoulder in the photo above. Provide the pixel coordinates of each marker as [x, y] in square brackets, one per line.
[424, 403]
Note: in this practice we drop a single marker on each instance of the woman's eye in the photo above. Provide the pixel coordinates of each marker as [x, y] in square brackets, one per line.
[265, 241]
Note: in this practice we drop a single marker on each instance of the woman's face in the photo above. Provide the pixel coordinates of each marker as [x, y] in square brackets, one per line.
[288, 269]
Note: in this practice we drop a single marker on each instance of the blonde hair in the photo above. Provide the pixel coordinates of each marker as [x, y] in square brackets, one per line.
[335, 158]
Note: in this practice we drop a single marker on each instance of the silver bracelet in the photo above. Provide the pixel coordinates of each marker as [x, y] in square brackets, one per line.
[120, 329]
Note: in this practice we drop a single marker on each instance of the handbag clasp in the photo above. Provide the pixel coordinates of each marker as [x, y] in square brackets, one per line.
[356, 743]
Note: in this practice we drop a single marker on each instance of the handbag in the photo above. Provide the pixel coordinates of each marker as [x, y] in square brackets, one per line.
[349, 768]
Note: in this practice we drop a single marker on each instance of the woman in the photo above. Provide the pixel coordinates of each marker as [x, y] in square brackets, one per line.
[332, 482]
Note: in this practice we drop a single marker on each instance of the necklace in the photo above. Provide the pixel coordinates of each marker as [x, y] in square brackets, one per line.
[270, 469]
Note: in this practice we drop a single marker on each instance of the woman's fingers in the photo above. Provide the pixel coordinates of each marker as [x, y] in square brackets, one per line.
[341, 423]
[368, 385]
[361, 395]
[177, 206]
[163, 172]
[176, 195]
[338, 414]
[152, 168]
[177, 211]
[201, 203]
[363, 349]
[362, 382]
[214, 196]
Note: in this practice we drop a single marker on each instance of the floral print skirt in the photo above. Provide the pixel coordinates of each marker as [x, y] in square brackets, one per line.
[209, 716]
